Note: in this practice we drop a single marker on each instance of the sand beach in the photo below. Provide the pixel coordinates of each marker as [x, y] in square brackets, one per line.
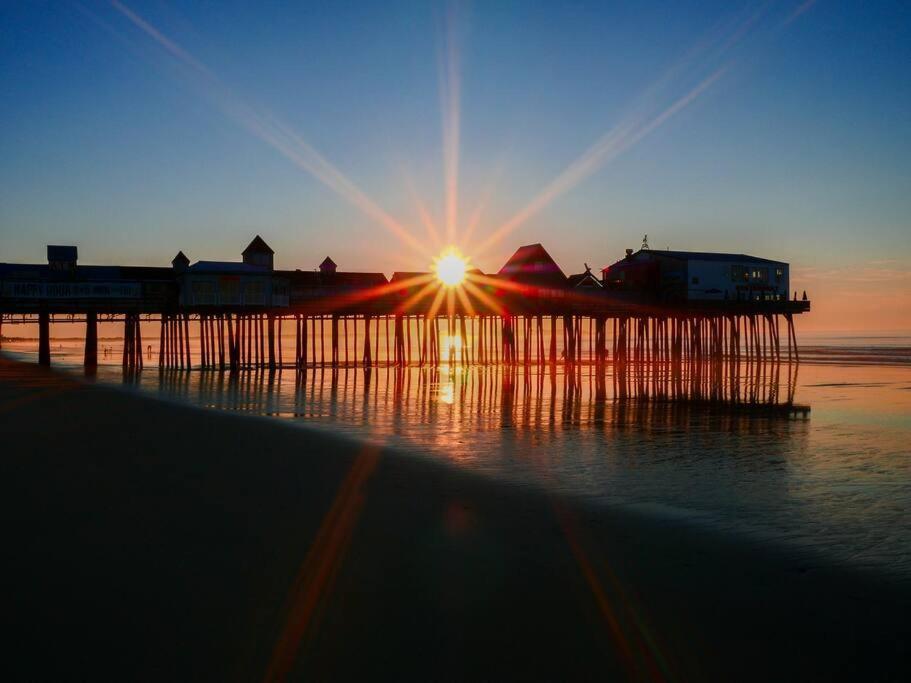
[153, 541]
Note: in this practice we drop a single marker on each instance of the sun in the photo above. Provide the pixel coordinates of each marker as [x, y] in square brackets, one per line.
[450, 267]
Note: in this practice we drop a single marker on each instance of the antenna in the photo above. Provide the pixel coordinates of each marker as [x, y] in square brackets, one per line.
[644, 242]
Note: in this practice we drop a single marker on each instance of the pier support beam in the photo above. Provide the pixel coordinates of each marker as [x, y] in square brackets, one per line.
[335, 358]
[186, 338]
[270, 326]
[368, 359]
[44, 338]
[90, 360]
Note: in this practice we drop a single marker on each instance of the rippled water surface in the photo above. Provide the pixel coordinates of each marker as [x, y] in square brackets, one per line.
[817, 455]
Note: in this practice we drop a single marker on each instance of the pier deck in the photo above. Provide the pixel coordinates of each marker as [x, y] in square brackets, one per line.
[505, 320]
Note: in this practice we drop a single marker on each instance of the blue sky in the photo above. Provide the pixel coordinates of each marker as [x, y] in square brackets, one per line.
[797, 149]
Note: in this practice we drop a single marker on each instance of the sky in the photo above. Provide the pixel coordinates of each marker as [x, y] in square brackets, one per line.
[378, 133]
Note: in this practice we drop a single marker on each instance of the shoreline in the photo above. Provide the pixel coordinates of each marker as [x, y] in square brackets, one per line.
[846, 355]
[156, 540]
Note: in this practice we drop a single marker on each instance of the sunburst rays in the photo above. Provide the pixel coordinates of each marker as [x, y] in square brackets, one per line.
[686, 80]
[270, 130]
[450, 106]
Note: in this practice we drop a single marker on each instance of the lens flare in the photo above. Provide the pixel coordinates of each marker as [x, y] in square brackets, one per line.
[450, 267]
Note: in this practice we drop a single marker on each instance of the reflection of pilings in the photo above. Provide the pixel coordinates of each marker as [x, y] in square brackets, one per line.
[233, 360]
[749, 382]
[645, 394]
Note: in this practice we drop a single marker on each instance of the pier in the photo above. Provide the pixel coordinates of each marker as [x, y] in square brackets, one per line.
[527, 314]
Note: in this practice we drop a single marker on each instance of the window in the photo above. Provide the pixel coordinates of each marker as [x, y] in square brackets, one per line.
[254, 293]
[779, 273]
[229, 291]
[203, 293]
[739, 274]
[759, 275]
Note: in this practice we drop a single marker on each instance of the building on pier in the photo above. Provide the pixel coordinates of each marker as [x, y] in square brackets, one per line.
[63, 286]
[409, 282]
[674, 304]
[248, 283]
[585, 281]
[307, 286]
[532, 265]
[532, 281]
[680, 276]
[258, 253]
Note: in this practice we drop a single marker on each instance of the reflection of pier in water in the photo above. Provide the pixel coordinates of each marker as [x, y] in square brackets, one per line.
[501, 395]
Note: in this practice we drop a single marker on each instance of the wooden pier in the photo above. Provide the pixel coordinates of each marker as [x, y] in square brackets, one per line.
[353, 319]
[238, 341]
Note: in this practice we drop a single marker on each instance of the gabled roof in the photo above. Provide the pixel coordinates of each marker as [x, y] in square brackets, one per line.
[28, 271]
[300, 278]
[357, 280]
[257, 246]
[146, 273]
[699, 256]
[709, 256]
[532, 264]
[227, 267]
[400, 275]
[327, 262]
[180, 258]
[581, 279]
[317, 280]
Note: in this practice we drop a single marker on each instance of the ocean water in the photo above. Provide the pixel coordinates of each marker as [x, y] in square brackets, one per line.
[815, 455]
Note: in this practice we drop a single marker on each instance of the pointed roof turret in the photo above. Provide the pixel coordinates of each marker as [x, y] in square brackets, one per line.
[532, 264]
[257, 246]
[180, 261]
[327, 266]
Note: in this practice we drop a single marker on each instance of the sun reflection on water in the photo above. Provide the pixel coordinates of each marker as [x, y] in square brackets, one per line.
[447, 392]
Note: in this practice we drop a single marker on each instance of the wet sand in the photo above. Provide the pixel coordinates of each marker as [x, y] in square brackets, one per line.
[152, 541]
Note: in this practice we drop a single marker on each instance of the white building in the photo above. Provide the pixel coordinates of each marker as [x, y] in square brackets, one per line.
[699, 276]
[248, 283]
